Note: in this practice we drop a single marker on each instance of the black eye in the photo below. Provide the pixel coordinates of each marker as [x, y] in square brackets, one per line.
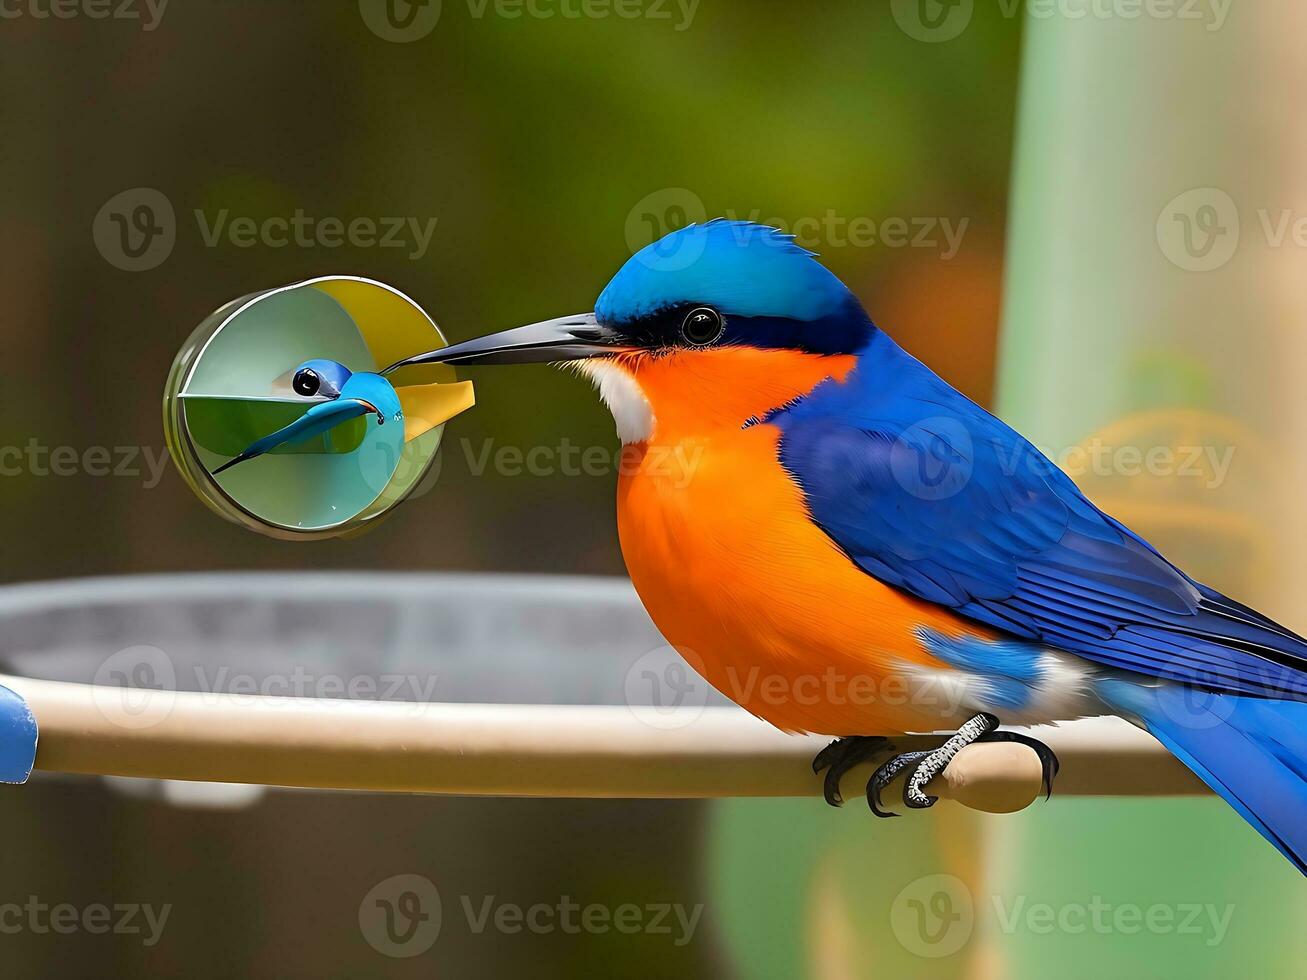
[306, 382]
[702, 326]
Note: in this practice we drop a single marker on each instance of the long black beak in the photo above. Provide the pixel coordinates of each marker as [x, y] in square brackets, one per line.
[566, 338]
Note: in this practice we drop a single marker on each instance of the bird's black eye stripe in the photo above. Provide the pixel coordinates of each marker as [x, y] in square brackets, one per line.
[682, 325]
[306, 382]
[702, 326]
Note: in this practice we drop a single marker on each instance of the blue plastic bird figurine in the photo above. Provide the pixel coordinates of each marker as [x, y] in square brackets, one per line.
[340, 395]
[844, 544]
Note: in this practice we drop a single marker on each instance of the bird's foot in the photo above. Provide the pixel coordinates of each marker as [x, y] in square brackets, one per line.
[886, 774]
[925, 766]
[841, 756]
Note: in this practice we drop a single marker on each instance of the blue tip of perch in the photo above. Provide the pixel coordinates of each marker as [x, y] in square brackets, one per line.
[18, 735]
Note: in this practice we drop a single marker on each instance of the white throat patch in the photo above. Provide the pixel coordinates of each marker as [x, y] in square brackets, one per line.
[621, 393]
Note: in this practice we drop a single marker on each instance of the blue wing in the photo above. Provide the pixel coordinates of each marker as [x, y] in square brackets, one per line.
[929, 493]
[320, 418]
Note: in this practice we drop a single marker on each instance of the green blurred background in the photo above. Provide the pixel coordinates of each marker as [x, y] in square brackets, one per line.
[545, 149]
[530, 142]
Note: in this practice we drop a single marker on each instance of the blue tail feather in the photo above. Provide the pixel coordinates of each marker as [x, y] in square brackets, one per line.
[1251, 751]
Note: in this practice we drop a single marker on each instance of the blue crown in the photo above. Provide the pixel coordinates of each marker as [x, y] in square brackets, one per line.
[739, 267]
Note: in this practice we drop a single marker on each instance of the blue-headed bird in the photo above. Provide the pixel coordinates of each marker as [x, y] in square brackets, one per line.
[844, 544]
[338, 395]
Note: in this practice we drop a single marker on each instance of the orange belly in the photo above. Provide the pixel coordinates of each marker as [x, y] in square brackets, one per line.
[760, 601]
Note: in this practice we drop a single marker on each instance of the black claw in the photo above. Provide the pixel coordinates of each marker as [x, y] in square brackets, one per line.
[825, 757]
[873, 801]
[830, 788]
[841, 756]
[885, 775]
[874, 785]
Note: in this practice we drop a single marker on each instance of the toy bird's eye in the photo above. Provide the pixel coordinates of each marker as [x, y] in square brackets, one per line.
[306, 382]
[702, 326]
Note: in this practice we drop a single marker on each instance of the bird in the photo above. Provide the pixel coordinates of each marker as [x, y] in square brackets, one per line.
[844, 544]
[338, 395]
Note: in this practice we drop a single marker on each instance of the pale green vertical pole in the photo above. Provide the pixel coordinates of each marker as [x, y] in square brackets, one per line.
[1156, 316]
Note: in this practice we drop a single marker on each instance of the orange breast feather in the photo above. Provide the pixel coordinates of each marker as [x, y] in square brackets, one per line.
[758, 599]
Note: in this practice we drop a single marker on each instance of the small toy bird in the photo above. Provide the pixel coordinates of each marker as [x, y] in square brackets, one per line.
[340, 395]
[336, 395]
[844, 544]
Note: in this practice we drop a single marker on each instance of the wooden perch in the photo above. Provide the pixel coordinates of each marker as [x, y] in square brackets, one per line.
[534, 750]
